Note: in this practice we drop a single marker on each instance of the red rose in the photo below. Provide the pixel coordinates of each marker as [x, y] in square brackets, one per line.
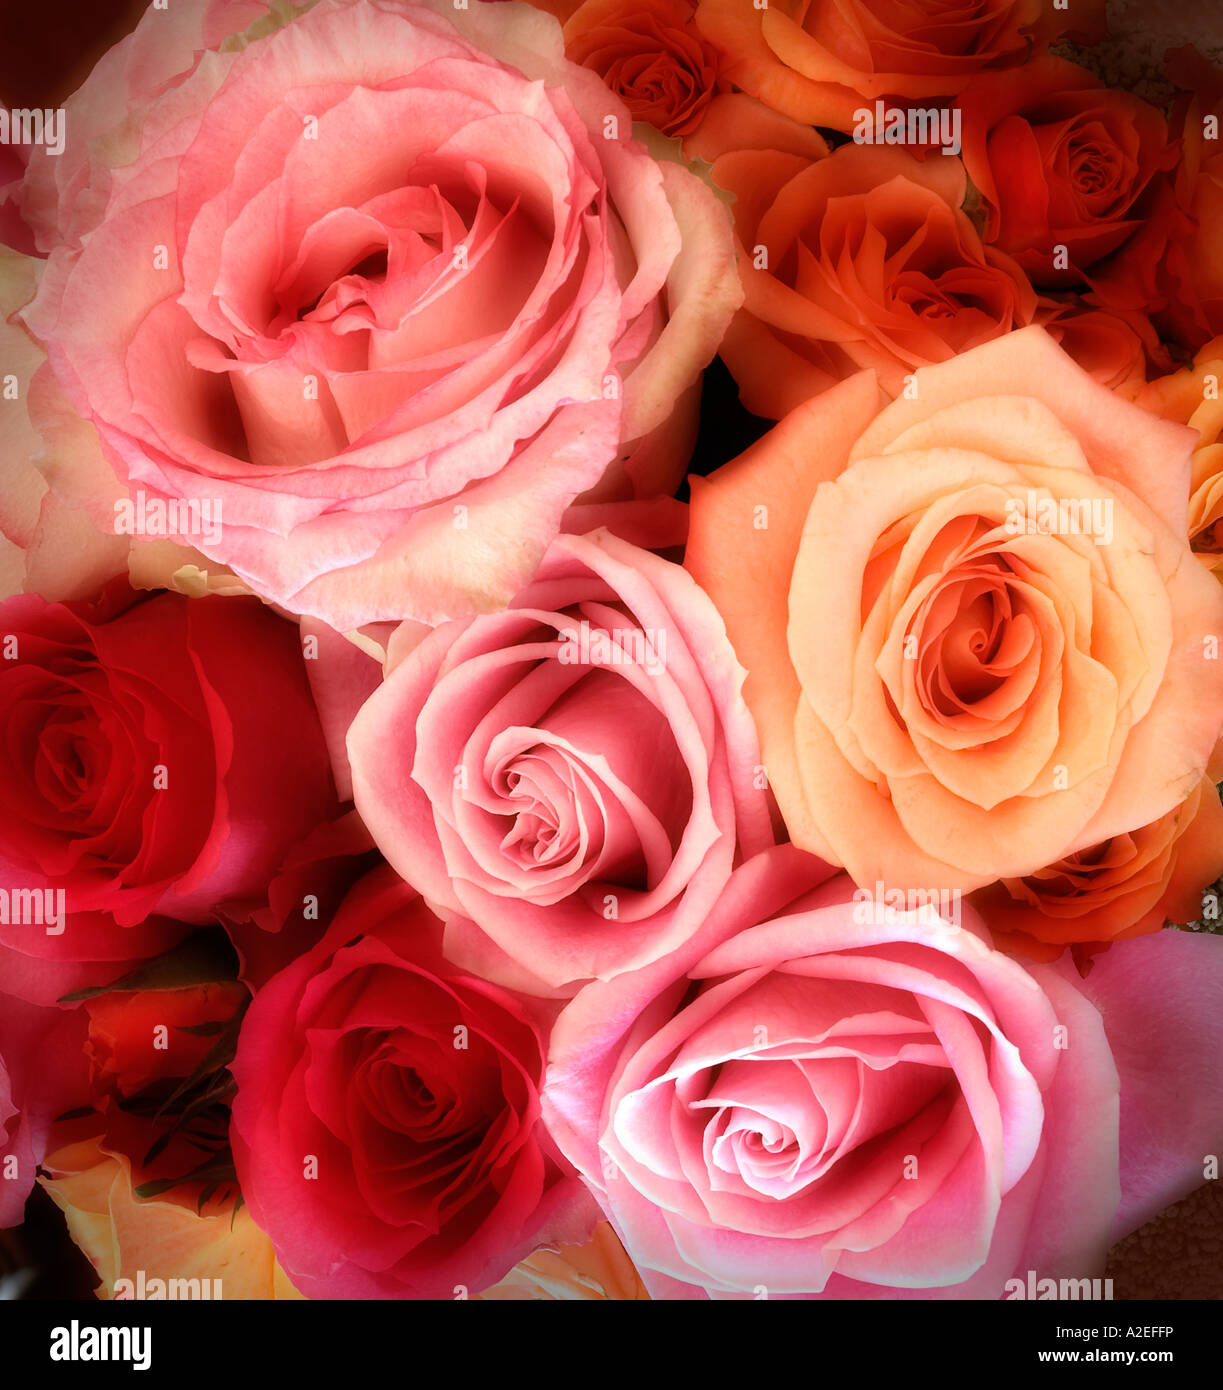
[386, 1128]
[41, 1075]
[301, 900]
[162, 754]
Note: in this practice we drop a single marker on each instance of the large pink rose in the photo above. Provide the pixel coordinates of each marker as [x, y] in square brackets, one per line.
[393, 285]
[63, 196]
[823, 1097]
[575, 777]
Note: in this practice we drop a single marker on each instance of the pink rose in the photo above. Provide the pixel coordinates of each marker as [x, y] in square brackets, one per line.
[577, 776]
[389, 286]
[827, 1098]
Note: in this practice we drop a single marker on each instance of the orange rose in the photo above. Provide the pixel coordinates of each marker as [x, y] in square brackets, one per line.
[1191, 397]
[650, 55]
[1073, 179]
[820, 60]
[1114, 348]
[1129, 885]
[862, 258]
[142, 1047]
[975, 640]
[1194, 312]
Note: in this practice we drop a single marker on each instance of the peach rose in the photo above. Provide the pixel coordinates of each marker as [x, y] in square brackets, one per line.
[818, 63]
[1192, 397]
[166, 1108]
[863, 258]
[599, 1270]
[386, 288]
[1129, 885]
[650, 55]
[975, 639]
[130, 1241]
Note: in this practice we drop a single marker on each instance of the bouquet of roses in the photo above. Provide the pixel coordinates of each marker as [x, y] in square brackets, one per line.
[488, 814]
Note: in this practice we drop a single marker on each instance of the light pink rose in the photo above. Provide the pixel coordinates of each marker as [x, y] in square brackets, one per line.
[568, 783]
[63, 196]
[58, 535]
[830, 1099]
[393, 285]
[49, 542]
